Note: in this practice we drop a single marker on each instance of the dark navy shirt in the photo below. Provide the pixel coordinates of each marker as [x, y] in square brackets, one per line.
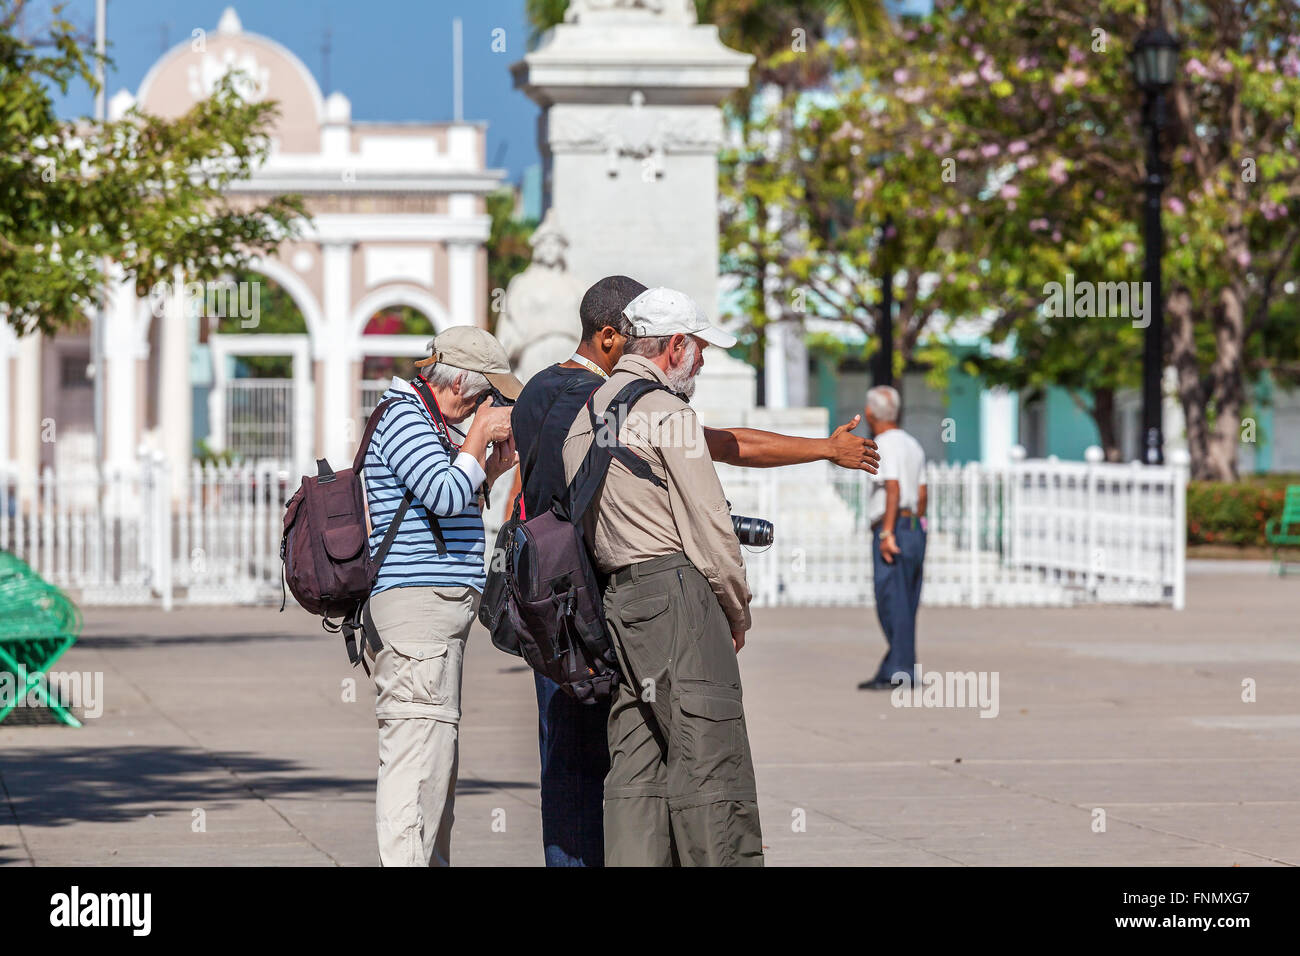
[543, 413]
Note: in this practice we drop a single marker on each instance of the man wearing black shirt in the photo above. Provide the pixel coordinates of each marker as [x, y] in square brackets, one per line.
[572, 736]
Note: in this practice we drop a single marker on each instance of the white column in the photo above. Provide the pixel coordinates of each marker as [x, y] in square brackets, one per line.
[998, 419]
[175, 395]
[303, 409]
[334, 349]
[123, 348]
[774, 368]
[26, 414]
[463, 280]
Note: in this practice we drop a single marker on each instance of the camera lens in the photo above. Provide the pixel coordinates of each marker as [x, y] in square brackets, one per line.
[753, 532]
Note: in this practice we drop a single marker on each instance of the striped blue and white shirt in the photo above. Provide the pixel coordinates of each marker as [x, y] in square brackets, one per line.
[405, 453]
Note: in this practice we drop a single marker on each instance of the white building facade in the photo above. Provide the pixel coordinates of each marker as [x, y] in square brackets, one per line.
[398, 224]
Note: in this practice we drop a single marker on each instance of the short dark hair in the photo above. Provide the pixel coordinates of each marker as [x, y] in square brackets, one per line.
[604, 302]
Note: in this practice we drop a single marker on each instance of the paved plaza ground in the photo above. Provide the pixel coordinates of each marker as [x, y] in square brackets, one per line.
[239, 713]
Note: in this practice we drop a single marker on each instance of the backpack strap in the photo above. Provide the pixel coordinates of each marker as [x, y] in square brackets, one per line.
[526, 467]
[605, 447]
[359, 460]
[359, 620]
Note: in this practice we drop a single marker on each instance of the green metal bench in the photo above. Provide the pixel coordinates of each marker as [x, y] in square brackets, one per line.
[37, 625]
[1284, 532]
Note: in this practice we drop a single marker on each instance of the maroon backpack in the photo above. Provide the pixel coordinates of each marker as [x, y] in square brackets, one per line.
[325, 551]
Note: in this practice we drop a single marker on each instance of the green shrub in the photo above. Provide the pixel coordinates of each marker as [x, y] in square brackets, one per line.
[1233, 512]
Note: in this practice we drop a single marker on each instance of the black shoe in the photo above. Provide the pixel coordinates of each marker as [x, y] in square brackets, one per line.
[876, 684]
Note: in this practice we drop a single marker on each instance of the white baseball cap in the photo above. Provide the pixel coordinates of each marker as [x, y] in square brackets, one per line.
[657, 312]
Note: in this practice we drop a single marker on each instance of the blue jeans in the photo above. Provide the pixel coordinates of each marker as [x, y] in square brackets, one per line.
[573, 741]
[898, 595]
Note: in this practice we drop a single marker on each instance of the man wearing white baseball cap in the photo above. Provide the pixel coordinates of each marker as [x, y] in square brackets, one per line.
[680, 789]
[657, 312]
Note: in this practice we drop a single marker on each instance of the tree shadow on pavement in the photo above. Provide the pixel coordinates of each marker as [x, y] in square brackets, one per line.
[52, 788]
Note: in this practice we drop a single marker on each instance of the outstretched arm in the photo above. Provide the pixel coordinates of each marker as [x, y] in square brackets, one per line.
[753, 448]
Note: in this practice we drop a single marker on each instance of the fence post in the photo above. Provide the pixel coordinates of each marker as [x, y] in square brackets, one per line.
[46, 526]
[1179, 460]
[973, 504]
[1096, 558]
[162, 528]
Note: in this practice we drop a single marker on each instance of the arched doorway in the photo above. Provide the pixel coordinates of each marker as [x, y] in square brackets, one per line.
[393, 338]
[259, 406]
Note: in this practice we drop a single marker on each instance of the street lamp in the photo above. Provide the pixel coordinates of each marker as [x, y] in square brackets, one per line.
[1155, 65]
[884, 370]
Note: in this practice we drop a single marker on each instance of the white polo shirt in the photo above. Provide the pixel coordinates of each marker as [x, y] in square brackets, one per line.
[903, 460]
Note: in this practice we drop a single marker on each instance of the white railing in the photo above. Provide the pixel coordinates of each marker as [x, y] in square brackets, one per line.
[226, 537]
[101, 535]
[1033, 533]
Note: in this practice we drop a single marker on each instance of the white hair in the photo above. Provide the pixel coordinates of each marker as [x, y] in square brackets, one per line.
[883, 402]
[647, 346]
[472, 384]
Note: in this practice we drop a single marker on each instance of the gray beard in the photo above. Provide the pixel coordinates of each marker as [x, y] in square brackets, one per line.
[683, 386]
[680, 378]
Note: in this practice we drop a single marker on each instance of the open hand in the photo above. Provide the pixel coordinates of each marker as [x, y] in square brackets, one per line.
[849, 451]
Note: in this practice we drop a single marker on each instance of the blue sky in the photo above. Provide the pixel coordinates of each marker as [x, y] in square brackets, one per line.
[392, 58]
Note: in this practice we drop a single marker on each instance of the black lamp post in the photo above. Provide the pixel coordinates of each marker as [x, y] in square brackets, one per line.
[1155, 64]
[884, 371]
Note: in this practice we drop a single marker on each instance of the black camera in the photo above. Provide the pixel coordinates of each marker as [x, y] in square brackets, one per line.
[754, 532]
[497, 398]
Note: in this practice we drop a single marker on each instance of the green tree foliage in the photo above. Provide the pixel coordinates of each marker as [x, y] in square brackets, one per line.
[1042, 108]
[1004, 141]
[146, 192]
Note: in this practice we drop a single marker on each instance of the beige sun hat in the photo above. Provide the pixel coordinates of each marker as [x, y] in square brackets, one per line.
[474, 350]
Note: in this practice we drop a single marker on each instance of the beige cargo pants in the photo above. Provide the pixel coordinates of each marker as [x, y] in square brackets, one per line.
[417, 683]
[680, 789]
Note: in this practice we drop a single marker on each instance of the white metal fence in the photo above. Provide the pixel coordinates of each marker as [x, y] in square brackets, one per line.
[1033, 533]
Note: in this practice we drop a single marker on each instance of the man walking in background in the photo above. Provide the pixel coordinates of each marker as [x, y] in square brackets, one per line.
[897, 537]
[572, 735]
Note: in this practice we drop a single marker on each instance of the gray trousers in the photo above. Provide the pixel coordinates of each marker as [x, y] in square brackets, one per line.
[417, 703]
[680, 789]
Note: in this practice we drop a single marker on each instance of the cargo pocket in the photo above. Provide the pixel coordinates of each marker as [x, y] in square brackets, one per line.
[710, 736]
[421, 670]
[644, 628]
[643, 610]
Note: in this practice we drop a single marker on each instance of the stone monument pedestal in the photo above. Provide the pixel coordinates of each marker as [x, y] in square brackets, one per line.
[630, 134]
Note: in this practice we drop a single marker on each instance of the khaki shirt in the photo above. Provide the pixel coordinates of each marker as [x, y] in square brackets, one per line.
[632, 520]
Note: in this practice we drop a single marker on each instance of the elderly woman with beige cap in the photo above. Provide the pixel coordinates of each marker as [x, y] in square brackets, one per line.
[432, 578]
